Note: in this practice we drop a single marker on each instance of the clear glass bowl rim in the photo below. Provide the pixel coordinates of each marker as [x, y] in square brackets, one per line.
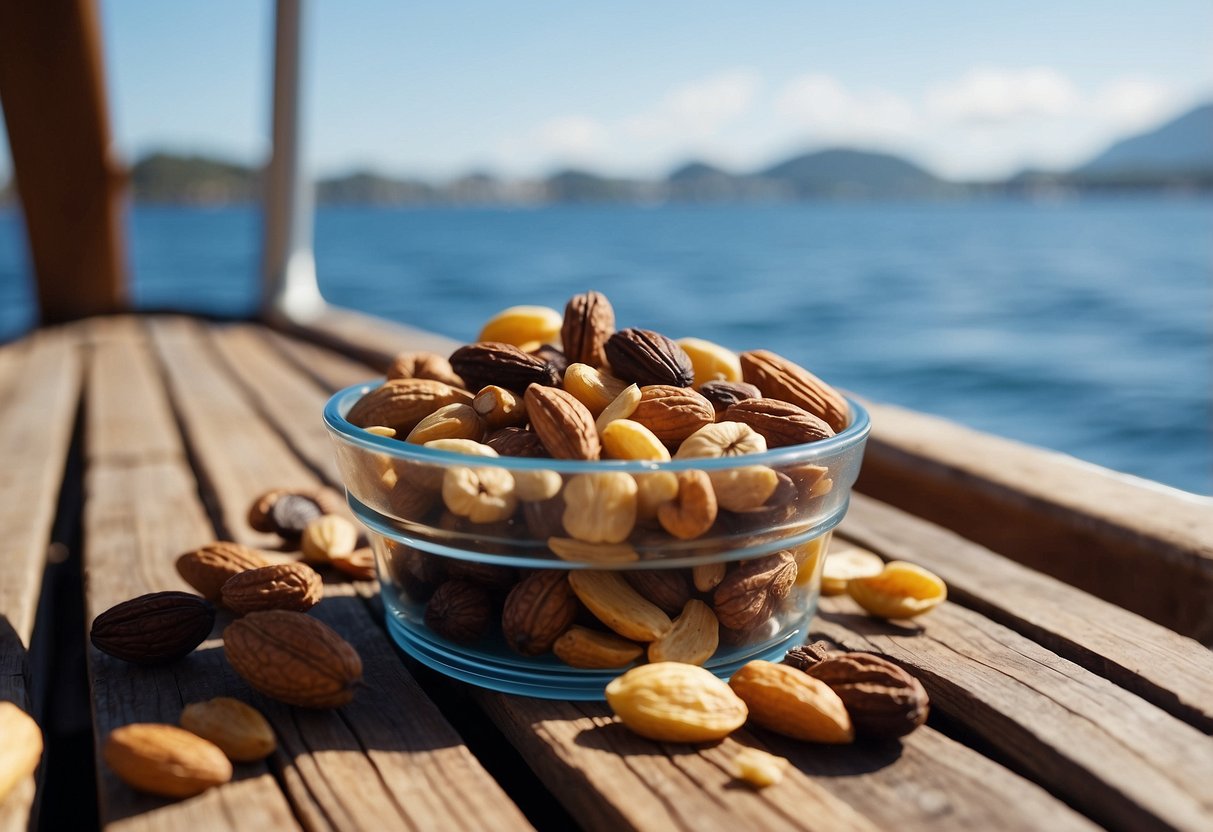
[823, 450]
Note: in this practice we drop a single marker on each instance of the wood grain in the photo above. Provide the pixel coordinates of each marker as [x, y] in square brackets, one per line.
[1124, 762]
[1171, 671]
[389, 758]
[1107, 533]
[372, 340]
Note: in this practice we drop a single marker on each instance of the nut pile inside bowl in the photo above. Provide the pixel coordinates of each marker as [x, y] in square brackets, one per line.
[711, 476]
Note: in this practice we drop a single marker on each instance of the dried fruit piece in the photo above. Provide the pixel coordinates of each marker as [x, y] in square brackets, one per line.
[537, 611]
[259, 512]
[279, 586]
[846, 562]
[481, 494]
[401, 403]
[519, 325]
[693, 512]
[589, 320]
[240, 731]
[723, 394]
[785, 700]
[672, 413]
[153, 628]
[494, 362]
[710, 361]
[586, 648]
[693, 639]
[499, 408]
[292, 513]
[759, 768]
[21, 749]
[292, 657]
[600, 507]
[669, 589]
[592, 387]
[452, 421]
[459, 610]
[648, 357]
[613, 602]
[674, 702]
[884, 701]
[328, 536]
[422, 364]
[553, 356]
[571, 549]
[780, 423]
[516, 442]
[779, 378]
[207, 569]
[625, 439]
[562, 423]
[165, 760]
[749, 594]
[901, 590]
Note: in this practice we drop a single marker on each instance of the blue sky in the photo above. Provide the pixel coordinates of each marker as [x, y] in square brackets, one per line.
[433, 89]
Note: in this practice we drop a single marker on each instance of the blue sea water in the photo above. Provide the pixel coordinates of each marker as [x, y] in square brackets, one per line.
[1083, 326]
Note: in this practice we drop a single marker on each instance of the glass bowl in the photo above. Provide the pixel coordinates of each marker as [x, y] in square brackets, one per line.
[478, 557]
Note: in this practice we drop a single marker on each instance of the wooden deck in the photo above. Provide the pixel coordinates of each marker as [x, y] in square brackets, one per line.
[128, 440]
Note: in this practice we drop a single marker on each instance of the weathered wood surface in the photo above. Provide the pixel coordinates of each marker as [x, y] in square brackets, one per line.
[1105, 532]
[608, 778]
[389, 758]
[1172, 671]
[40, 385]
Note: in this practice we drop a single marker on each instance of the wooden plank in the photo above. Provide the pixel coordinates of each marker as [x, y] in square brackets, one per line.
[1172, 671]
[389, 758]
[609, 779]
[41, 379]
[142, 511]
[1107, 533]
[1119, 759]
[366, 337]
[331, 370]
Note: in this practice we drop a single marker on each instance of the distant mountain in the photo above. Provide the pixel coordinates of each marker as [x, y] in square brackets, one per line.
[164, 177]
[845, 172]
[1181, 146]
[367, 188]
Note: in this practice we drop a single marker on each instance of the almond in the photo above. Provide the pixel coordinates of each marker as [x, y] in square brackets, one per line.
[280, 586]
[154, 628]
[674, 702]
[21, 749]
[779, 378]
[401, 403]
[564, 425]
[783, 699]
[208, 568]
[421, 364]
[672, 413]
[165, 760]
[780, 423]
[292, 657]
[586, 648]
[613, 602]
[240, 731]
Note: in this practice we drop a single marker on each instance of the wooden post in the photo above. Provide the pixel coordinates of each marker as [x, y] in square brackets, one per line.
[52, 86]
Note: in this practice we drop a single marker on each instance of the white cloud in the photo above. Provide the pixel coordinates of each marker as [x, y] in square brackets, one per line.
[829, 111]
[991, 94]
[571, 137]
[1133, 103]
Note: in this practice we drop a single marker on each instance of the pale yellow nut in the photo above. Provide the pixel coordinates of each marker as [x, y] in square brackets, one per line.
[743, 488]
[759, 768]
[586, 648]
[519, 325]
[380, 430]
[692, 640]
[499, 407]
[239, 730]
[537, 486]
[20, 749]
[578, 551]
[600, 507]
[808, 558]
[673, 702]
[625, 439]
[616, 604]
[623, 406]
[790, 702]
[711, 362]
[468, 447]
[721, 439]
[901, 590]
[327, 537]
[452, 421]
[592, 387]
[165, 760]
[844, 562]
[654, 490]
[482, 495]
[707, 576]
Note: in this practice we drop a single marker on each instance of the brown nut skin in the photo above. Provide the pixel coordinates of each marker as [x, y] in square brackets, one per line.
[672, 413]
[279, 586]
[780, 423]
[646, 357]
[884, 701]
[589, 320]
[779, 378]
[752, 590]
[722, 394]
[208, 568]
[538, 611]
[292, 657]
[459, 611]
[154, 628]
[165, 760]
[494, 362]
[669, 589]
[421, 364]
[514, 441]
[562, 423]
[807, 655]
